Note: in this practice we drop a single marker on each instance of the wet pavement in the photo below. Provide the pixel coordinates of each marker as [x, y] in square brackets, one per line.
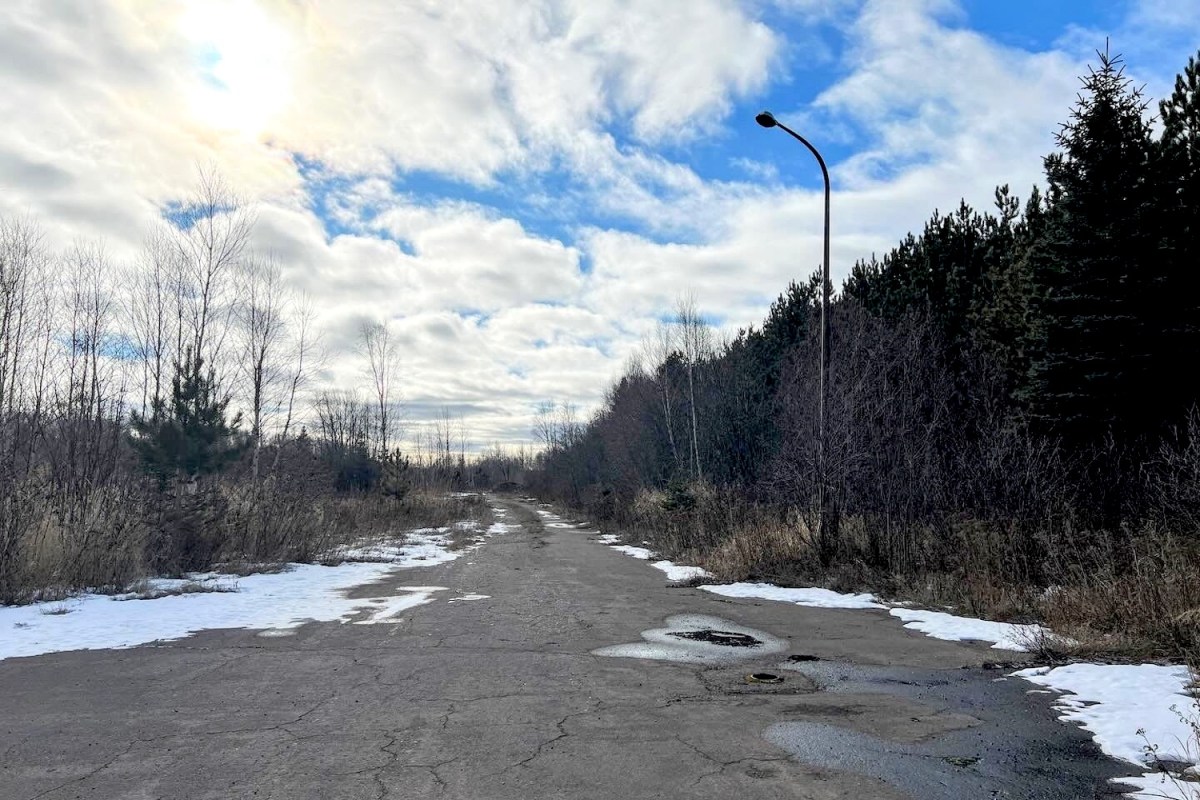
[525, 692]
[994, 738]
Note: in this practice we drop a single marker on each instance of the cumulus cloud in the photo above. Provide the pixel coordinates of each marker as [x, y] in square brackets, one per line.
[564, 141]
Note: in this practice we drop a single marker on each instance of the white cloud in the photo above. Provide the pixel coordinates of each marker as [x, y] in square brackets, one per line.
[110, 105]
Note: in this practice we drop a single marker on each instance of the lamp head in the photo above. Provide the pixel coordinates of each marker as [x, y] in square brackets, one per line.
[766, 119]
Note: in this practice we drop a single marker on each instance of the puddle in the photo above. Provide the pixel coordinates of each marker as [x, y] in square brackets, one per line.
[699, 639]
[902, 765]
[721, 638]
[1014, 749]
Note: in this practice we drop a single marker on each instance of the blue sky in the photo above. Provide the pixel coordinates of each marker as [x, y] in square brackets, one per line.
[522, 189]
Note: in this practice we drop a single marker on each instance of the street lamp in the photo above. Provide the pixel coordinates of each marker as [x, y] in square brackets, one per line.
[767, 120]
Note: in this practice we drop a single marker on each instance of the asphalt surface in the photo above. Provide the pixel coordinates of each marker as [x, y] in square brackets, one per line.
[504, 698]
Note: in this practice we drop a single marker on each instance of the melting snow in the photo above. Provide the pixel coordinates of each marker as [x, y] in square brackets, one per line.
[277, 603]
[469, 597]
[636, 552]
[1126, 707]
[939, 625]
[815, 597]
[678, 572]
[661, 645]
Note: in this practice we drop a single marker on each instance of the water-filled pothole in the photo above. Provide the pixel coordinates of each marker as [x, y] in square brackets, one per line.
[719, 638]
[700, 639]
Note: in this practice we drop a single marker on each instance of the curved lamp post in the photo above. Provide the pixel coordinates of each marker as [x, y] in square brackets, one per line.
[767, 120]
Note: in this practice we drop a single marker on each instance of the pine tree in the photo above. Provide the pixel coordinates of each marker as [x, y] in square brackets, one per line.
[188, 435]
[1096, 270]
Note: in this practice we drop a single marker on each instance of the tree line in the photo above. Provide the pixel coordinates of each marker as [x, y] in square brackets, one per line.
[1012, 393]
[160, 416]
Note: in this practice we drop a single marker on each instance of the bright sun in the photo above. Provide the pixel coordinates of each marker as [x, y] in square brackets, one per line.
[244, 62]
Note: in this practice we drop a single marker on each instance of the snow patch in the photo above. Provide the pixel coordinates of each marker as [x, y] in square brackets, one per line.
[1125, 707]
[636, 552]
[389, 610]
[679, 572]
[940, 625]
[275, 603]
[425, 547]
[812, 596]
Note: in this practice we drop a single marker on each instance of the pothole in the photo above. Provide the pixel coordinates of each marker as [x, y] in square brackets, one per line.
[719, 638]
[699, 639]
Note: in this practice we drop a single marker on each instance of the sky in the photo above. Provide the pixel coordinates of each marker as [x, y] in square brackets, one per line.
[523, 188]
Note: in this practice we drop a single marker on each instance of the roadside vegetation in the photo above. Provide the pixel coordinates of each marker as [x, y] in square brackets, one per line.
[121, 453]
[1013, 426]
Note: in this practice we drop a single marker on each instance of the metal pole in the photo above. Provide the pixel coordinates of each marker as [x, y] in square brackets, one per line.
[767, 120]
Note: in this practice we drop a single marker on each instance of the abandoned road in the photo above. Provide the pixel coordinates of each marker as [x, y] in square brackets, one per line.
[502, 696]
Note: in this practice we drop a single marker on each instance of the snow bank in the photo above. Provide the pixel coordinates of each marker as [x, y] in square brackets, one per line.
[939, 625]
[817, 598]
[274, 602]
[1125, 707]
[679, 572]
[636, 552]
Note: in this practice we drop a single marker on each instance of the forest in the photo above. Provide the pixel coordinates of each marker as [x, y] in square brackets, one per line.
[1012, 425]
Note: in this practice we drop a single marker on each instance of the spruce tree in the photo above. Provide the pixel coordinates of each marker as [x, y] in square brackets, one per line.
[188, 435]
[1179, 187]
[1096, 271]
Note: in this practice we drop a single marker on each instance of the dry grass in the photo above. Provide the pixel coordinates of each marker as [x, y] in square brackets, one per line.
[1124, 596]
[759, 551]
[144, 589]
[56, 546]
[109, 538]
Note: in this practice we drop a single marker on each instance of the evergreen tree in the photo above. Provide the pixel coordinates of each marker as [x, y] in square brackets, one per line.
[1097, 271]
[188, 435]
[1179, 186]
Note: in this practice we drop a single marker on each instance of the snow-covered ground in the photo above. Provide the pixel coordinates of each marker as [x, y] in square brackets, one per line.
[1126, 708]
[678, 572]
[636, 552]
[940, 625]
[276, 603]
[818, 598]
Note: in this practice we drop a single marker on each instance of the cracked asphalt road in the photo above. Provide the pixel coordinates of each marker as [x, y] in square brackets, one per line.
[502, 698]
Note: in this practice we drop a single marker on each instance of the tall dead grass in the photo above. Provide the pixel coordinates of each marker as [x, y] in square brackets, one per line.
[1125, 594]
[112, 536]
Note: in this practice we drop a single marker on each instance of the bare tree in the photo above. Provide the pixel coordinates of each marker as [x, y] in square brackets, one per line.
[545, 429]
[307, 355]
[212, 230]
[659, 346]
[695, 342]
[153, 314]
[263, 328]
[382, 352]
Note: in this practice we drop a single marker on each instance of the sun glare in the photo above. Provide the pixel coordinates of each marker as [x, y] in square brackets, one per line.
[243, 60]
